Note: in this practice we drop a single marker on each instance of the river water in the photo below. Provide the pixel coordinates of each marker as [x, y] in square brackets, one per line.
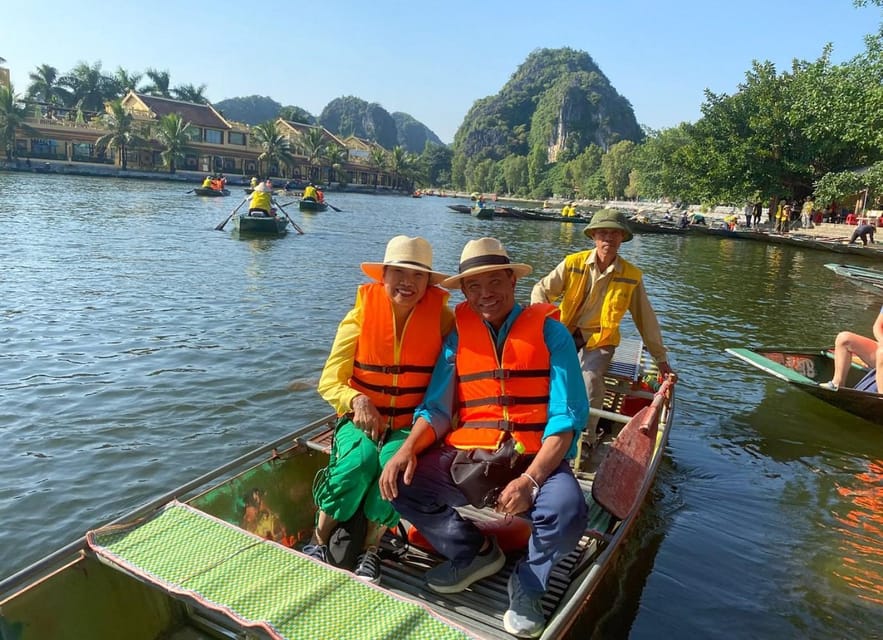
[140, 348]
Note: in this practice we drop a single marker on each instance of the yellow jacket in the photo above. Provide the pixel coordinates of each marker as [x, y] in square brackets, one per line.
[261, 200]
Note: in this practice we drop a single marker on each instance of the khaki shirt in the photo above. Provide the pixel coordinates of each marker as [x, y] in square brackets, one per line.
[550, 288]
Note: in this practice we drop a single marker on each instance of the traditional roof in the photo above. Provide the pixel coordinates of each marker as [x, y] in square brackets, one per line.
[199, 115]
[301, 128]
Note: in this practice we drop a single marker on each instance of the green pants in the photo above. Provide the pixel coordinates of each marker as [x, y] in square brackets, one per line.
[352, 474]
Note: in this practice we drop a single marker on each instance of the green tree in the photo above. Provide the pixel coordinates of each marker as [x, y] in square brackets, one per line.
[13, 113]
[515, 176]
[334, 157]
[190, 93]
[616, 165]
[378, 160]
[171, 133]
[314, 144]
[400, 165]
[159, 83]
[275, 147]
[123, 82]
[436, 160]
[45, 86]
[296, 114]
[89, 88]
[121, 135]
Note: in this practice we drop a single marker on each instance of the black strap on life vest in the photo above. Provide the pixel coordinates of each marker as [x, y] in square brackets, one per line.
[504, 425]
[392, 368]
[390, 391]
[503, 374]
[506, 401]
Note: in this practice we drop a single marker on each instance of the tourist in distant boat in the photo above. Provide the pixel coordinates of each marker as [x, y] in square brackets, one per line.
[261, 204]
[207, 183]
[254, 182]
[848, 344]
[596, 287]
[320, 195]
[310, 192]
[540, 428]
[865, 232]
[375, 376]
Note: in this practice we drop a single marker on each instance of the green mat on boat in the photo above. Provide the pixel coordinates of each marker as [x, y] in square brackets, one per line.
[258, 583]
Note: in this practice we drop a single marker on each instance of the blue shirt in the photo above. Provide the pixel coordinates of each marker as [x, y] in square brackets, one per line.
[568, 403]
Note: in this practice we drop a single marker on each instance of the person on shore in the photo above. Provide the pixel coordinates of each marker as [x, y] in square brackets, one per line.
[865, 232]
[806, 213]
[749, 209]
[596, 287]
[309, 192]
[758, 210]
[870, 350]
[261, 204]
[379, 366]
[685, 220]
[543, 411]
[781, 218]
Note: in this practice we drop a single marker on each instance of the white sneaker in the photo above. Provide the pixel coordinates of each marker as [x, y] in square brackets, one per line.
[829, 385]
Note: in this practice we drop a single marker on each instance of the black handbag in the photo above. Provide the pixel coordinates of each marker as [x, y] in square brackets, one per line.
[481, 474]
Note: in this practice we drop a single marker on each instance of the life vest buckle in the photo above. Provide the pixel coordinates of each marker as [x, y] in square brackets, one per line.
[506, 401]
[506, 425]
[501, 374]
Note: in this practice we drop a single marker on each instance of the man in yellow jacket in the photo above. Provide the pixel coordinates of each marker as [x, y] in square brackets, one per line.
[596, 287]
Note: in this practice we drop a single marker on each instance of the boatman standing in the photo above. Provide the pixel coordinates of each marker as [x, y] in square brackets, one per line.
[596, 287]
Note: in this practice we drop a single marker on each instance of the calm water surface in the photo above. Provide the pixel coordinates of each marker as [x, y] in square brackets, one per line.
[140, 348]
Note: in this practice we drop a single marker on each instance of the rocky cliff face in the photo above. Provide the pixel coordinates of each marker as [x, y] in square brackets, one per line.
[557, 100]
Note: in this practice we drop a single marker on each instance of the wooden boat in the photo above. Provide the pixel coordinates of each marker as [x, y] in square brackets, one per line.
[460, 208]
[807, 368]
[211, 193]
[867, 278]
[546, 216]
[311, 205]
[216, 557]
[261, 225]
[639, 226]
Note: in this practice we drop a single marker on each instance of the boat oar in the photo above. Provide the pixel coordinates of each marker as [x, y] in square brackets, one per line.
[332, 206]
[221, 226]
[293, 223]
[191, 191]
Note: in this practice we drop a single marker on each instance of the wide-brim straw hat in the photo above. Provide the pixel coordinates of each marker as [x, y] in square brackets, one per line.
[263, 188]
[609, 219]
[483, 255]
[406, 253]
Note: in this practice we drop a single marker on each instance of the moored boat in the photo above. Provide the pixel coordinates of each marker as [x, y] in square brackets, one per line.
[311, 205]
[808, 368]
[260, 225]
[460, 208]
[868, 278]
[482, 213]
[217, 558]
[211, 193]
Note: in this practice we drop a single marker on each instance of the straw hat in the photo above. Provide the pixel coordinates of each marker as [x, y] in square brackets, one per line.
[609, 219]
[481, 256]
[407, 253]
[263, 188]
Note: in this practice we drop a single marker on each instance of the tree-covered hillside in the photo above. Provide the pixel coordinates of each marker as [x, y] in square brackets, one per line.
[556, 105]
[413, 135]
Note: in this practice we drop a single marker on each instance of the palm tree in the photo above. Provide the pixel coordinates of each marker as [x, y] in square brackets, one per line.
[334, 156]
[120, 136]
[124, 82]
[314, 146]
[377, 159]
[159, 83]
[171, 133]
[12, 118]
[89, 87]
[45, 86]
[189, 93]
[399, 163]
[274, 146]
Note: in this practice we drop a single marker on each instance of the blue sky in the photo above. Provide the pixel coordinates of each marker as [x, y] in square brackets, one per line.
[432, 59]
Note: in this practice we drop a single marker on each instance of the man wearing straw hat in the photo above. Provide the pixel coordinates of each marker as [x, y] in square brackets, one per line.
[596, 288]
[507, 376]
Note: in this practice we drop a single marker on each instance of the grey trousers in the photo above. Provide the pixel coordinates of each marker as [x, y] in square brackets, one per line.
[594, 364]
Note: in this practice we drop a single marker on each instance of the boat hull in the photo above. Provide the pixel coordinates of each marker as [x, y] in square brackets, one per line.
[268, 225]
[261, 502]
[861, 276]
[311, 205]
[807, 368]
[211, 193]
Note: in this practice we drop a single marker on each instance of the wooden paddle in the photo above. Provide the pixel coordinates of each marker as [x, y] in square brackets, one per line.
[332, 206]
[293, 223]
[621, 475]
[221, 226]
[191, 191]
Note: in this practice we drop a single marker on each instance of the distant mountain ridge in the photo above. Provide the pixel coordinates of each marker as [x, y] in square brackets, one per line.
[344, 116]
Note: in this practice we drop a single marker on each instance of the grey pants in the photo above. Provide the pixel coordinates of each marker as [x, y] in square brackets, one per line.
[594, 364]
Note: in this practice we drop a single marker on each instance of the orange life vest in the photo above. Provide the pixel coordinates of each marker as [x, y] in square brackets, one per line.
[393, 376]
[499, 394]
